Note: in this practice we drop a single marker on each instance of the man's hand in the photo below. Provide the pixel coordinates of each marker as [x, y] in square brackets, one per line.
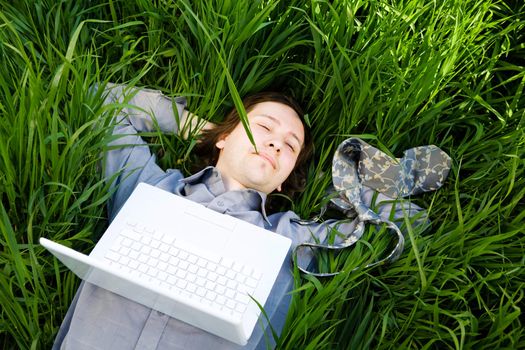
[192, 125]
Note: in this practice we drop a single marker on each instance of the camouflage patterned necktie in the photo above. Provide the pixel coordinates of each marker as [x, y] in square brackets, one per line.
[357, 164]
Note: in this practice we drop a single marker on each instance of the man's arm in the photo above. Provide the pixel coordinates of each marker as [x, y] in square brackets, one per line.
[148, 109]
[387, 208]
[128, 159]
[145, 109]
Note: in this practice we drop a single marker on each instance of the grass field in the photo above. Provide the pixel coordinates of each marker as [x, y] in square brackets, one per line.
[398, 73]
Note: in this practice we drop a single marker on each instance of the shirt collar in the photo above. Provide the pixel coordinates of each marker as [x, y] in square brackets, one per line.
[210, 176]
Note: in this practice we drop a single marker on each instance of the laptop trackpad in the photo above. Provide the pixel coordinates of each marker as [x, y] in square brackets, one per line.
[202, 231]
[206, 227]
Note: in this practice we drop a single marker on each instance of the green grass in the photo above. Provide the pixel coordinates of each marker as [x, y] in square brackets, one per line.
[396, 73]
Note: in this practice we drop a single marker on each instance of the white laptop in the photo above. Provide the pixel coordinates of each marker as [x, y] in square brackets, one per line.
[185, 260]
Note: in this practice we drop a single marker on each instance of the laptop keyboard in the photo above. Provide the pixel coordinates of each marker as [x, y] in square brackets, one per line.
[209, 279]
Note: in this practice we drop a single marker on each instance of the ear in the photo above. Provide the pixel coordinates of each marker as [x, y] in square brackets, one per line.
[220, 144]
[221, 141]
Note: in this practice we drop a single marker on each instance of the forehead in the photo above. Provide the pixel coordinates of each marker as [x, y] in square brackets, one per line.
[283, 115]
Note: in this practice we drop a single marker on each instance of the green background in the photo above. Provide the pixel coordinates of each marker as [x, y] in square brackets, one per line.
[398, 74]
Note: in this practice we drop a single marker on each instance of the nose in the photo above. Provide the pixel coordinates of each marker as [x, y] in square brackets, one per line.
[275, 145]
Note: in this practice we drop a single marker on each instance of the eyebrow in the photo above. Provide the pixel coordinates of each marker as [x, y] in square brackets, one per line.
[278, 122]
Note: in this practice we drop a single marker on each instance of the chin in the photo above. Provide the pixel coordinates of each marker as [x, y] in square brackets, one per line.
[260, 186]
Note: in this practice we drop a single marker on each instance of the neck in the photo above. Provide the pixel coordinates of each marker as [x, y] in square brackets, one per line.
[230, 184]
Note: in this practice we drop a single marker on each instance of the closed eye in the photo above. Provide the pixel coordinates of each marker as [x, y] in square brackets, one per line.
[264, 127]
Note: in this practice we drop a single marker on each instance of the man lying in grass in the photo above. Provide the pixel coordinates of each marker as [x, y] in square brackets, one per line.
[236, 182]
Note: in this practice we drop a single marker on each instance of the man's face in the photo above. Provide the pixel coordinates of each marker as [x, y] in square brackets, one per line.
[279, 135]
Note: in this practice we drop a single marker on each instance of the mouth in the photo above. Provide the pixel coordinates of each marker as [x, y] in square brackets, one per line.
[268, 158]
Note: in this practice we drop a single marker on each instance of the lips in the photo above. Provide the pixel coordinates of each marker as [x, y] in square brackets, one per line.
[268, 158]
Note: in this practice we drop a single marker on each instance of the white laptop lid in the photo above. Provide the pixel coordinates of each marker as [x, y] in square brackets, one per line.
[194, 226]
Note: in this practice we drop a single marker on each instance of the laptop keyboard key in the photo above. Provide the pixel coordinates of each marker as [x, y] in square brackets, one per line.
[216, 281]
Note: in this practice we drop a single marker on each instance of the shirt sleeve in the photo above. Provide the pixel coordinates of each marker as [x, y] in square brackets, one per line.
[128, 159]
[388, 209]
[334, 231]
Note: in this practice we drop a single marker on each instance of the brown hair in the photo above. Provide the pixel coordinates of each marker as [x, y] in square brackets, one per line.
[208, 154]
